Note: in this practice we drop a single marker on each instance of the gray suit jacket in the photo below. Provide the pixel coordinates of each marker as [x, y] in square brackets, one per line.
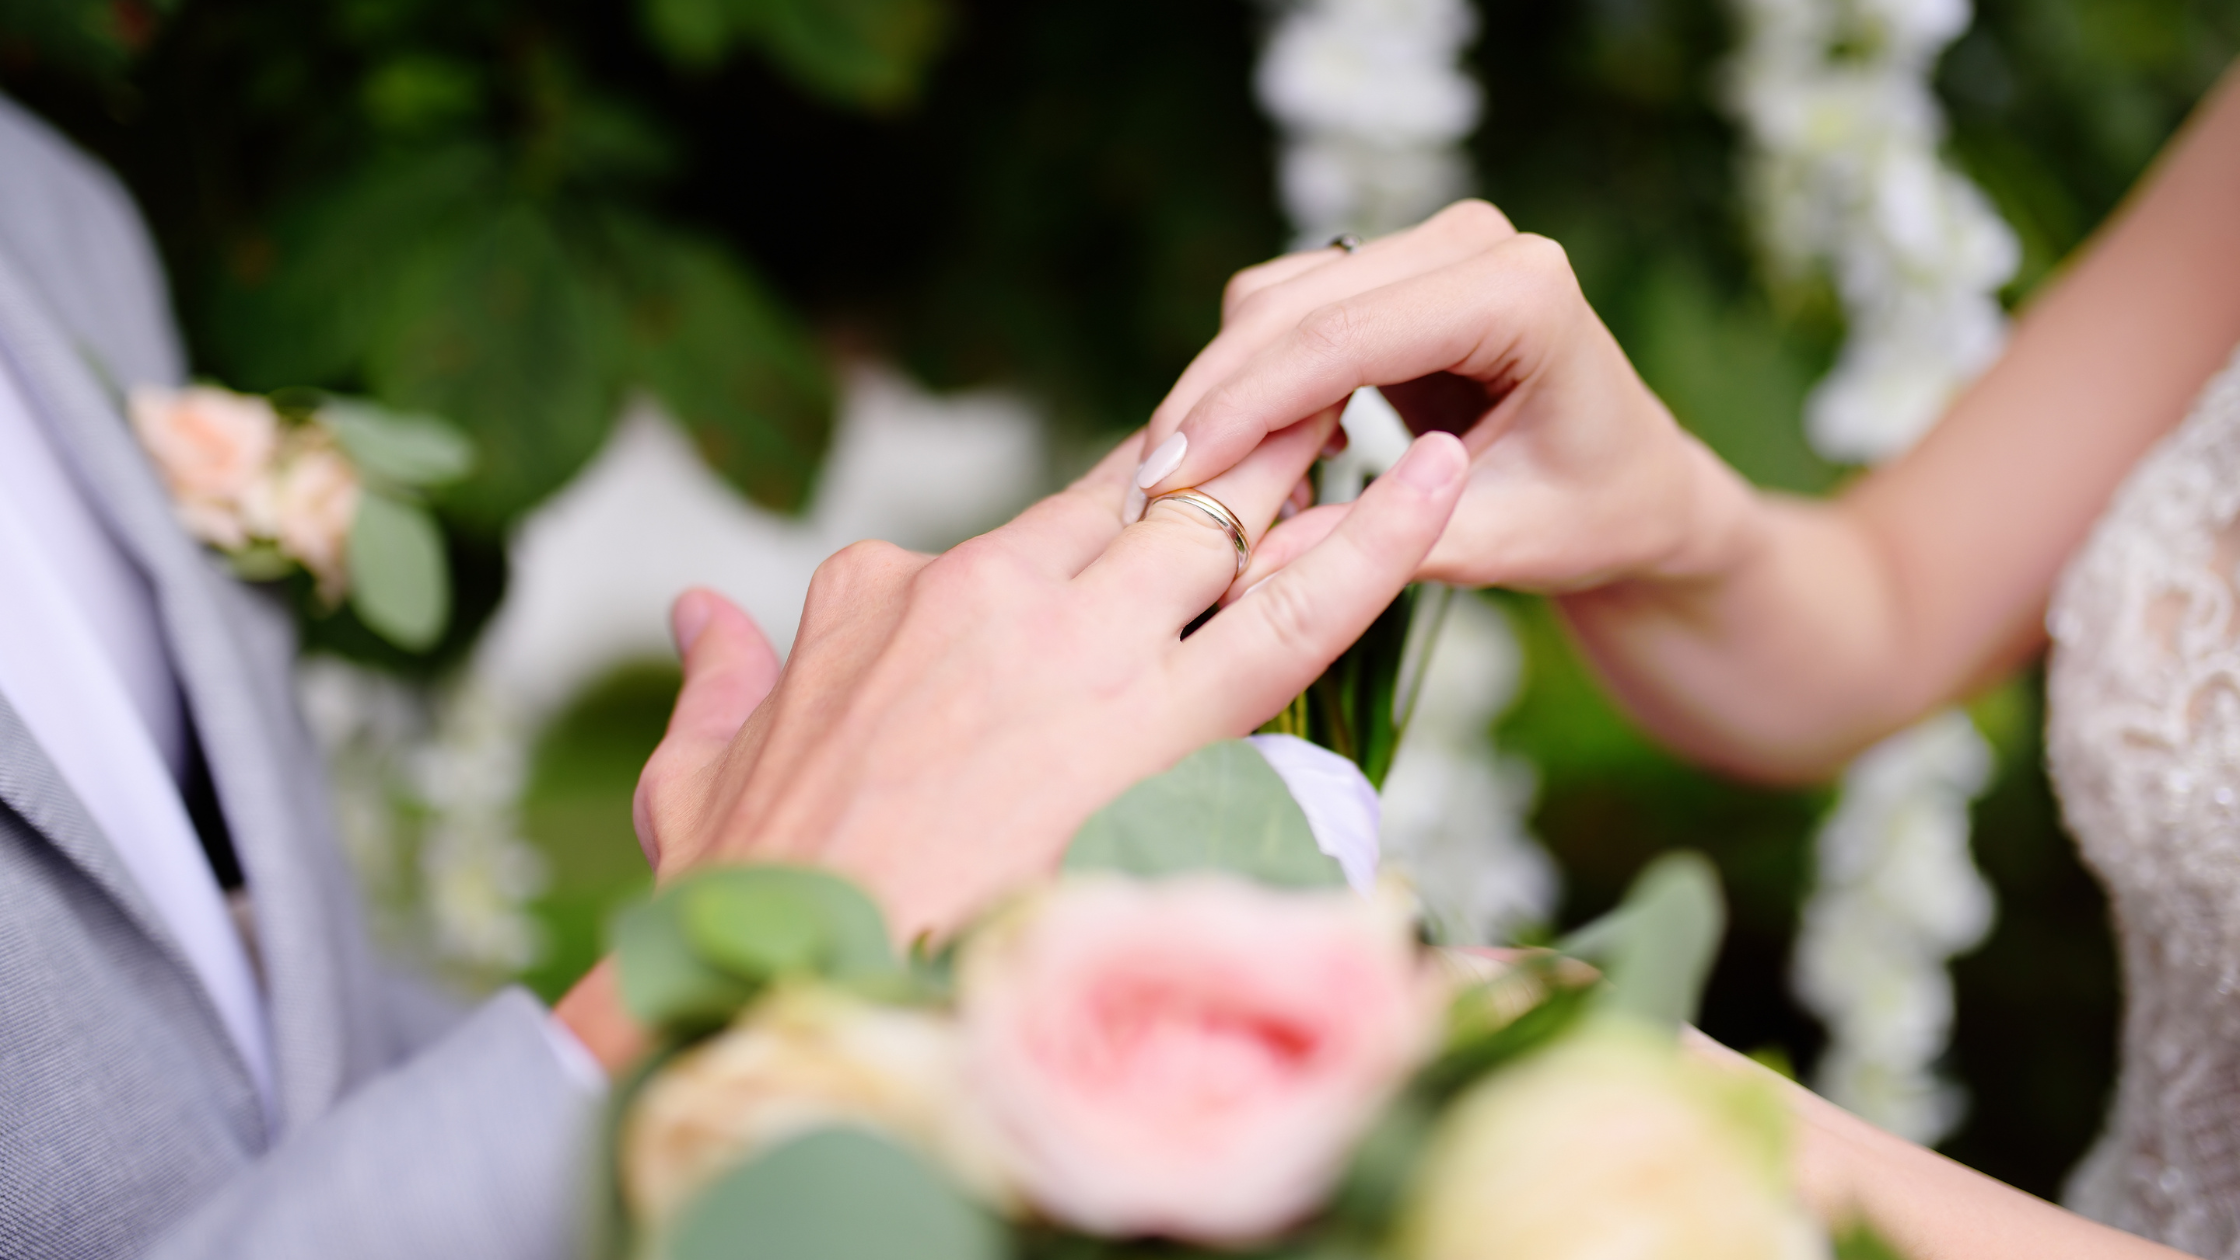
[128, 1123]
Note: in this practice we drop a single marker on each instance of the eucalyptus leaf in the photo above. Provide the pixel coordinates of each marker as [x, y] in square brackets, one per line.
[835, 1194]
[774, 920]
[1657, 947]
[406, 450]
[705, 946]
[666, 983]
[1221, 809]
[400, 583]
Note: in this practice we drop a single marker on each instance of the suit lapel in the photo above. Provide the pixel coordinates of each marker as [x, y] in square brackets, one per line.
[31, 785]
[261, 764]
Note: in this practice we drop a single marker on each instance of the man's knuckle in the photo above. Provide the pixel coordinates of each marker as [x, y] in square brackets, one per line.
[1477, 219]
[1240, 289]
[847, 571]
[974, 568]
[1542, 264]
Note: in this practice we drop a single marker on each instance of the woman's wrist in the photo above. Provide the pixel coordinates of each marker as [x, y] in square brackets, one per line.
[1722, 523]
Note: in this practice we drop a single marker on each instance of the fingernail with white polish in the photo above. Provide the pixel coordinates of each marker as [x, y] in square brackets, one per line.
[1432, 462]
[1160, 463]
[1256, 586]
[1131, 510]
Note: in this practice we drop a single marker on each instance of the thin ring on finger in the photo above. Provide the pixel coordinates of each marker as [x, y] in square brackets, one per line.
[1216, 511]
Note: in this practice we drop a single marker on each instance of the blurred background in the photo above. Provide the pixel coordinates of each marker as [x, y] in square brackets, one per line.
[719, 285]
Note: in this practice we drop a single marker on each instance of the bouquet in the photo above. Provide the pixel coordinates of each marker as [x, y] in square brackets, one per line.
[1197, 1041]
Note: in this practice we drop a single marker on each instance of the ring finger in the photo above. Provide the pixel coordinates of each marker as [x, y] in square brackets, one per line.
[1176, 560]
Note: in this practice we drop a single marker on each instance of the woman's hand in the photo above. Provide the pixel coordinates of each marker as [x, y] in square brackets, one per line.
[946, 723]
[1578, 473]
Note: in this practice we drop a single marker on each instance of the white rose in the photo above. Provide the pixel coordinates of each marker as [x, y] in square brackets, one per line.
[802, 1059]
[1610, 1144]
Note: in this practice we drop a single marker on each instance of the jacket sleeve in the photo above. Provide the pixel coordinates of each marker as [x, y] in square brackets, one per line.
[482, 1145]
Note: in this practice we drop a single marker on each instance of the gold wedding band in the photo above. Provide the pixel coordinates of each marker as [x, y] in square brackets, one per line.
[1217, 512]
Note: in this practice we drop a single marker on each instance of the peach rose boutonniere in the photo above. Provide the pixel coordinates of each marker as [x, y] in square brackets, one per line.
[299, 481]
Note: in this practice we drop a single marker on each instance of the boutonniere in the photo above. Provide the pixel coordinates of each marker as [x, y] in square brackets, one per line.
[307, 482]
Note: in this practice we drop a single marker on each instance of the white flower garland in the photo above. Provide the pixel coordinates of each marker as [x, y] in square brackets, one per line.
[1844, 172]
[427, 791]
[1897, 896]
[1373, 105]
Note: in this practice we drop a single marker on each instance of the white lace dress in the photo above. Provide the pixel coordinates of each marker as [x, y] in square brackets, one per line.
[2143, 739]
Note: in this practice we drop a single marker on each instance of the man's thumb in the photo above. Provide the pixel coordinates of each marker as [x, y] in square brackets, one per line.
[729, 667]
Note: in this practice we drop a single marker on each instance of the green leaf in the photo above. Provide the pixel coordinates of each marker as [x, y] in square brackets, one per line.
[1356, 708]
[870, 53]
[1657, 947]
[666, 983]
[727, 359]
[406, 450]
[400, 583]
[705, 946]
[303, 302]
[1859, 1241]
[1473, 1055]
[775, 920]
[692, 33]
[836, 1194]
[416, 92]
[1384, 1163]
[1222, 809]
[501, 329]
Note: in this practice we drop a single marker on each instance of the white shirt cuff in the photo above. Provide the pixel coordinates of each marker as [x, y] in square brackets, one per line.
[576, 1061]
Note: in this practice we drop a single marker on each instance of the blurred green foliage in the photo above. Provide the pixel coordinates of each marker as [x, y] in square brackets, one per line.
[514, 213]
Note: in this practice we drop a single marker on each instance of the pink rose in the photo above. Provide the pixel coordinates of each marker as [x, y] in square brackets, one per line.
[313, 500]
[211, 446]
[1192, 1058]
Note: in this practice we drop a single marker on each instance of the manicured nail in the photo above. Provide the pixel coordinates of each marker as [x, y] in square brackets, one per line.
[1161, 463]
[1256, 586]
[689, 617]
[1131, 510]
[1435, 460]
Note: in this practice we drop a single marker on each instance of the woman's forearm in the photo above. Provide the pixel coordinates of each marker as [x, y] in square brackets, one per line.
[1926, 1206]
[1778, 664]
[1824, 626]
[1930, 1208]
